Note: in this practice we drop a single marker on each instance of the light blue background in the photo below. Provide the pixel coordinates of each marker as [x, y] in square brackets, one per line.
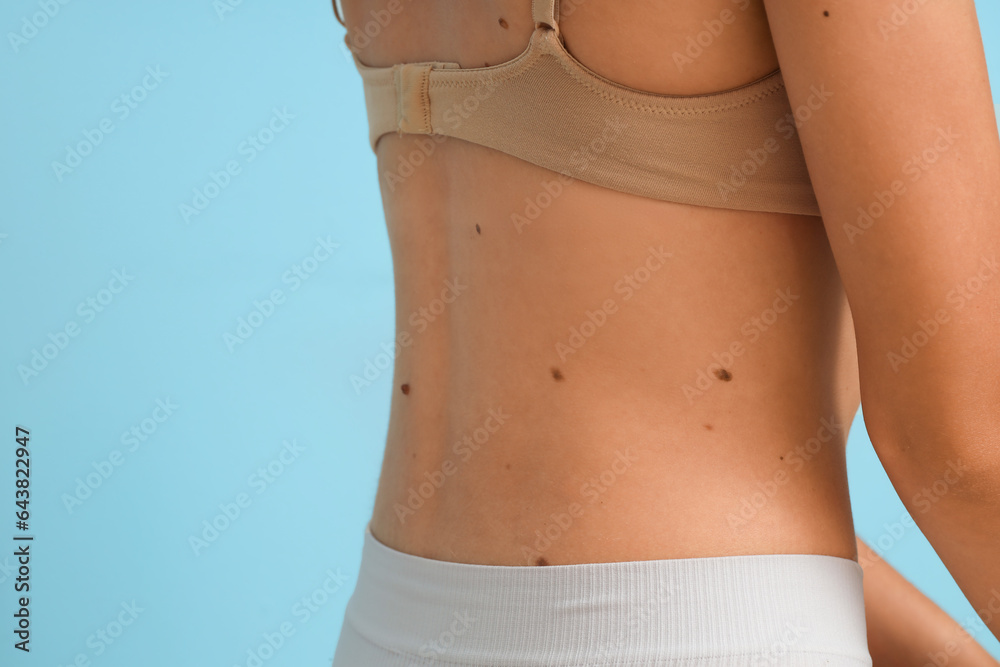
[161, 336]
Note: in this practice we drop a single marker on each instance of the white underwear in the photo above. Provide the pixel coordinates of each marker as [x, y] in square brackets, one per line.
[777, 610]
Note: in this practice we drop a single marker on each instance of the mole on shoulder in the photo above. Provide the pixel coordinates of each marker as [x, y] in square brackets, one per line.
[478, 231]
[503, 24]
[723, 375]
[826, 13]
[541, 561]
[557, 374]
[405, 388]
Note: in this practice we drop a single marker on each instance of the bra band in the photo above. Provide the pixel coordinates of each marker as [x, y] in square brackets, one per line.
[735, 149]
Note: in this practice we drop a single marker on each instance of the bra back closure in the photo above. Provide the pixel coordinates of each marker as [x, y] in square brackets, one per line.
[546, 12]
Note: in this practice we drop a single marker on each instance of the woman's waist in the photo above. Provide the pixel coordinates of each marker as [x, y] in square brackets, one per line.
[499, 494]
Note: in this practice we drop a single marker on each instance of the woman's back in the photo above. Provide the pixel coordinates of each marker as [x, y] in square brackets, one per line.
[586, 375]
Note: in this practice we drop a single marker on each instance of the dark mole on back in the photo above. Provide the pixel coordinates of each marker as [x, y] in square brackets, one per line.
[826, 13]
[556, 374]
[503, 24]
[478, 231]
[405, 388]
[541, 561]
[723, 375]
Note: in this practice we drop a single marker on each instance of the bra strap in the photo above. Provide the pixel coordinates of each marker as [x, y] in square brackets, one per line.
[546, 12]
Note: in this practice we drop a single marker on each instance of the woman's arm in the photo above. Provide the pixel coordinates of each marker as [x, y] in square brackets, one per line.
[905, 628]
[900, 137]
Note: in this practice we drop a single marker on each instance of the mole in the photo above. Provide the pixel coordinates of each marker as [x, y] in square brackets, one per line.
[541, 561]
[405, 388]
[708, 426]
[478, 231]
[503, 24]
[826, 13]
[723, 375]
[781, 458]
[508, 466]
[556, 374]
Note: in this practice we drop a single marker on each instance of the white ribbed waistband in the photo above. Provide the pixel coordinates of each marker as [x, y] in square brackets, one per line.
[729, 610]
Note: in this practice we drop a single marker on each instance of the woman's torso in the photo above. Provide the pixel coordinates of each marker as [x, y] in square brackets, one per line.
[586, 375]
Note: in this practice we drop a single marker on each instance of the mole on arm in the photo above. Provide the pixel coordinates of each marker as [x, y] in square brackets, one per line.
[826, 13]
[723, 375]
[557, 374]
[503, 24]
[478, 231]
[405, 388]
[541, 561]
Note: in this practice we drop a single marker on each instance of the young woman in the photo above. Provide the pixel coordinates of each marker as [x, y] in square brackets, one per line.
[648, 258]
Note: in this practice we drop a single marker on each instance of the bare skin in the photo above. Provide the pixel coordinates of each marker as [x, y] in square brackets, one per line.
[905, 628]
[618, 429]
[495, 347]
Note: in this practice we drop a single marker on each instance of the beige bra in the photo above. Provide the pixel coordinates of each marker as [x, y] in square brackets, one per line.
[736, 149]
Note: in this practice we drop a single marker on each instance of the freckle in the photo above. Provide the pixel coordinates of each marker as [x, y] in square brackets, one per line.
[503, 24]
[405, 388]
[708, 426]
[556, 374]
[541, 561]
[781, 458]
[478, 231]
[723, 375]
